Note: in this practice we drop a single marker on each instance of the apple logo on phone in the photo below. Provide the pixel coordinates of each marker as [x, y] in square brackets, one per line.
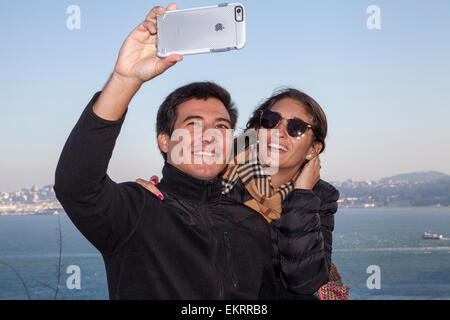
[219, 27]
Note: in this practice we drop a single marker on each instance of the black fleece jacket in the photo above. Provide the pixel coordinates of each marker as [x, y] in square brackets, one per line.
[195, 244]
[302, 239]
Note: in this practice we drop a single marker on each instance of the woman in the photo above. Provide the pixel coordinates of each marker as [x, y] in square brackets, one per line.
[299, 206]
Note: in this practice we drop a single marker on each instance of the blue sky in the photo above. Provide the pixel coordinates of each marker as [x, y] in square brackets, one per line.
[386, 92]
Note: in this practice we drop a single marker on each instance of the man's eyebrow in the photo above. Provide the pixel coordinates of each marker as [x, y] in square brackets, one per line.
[224, 119]
[201, 118]
[192, 117]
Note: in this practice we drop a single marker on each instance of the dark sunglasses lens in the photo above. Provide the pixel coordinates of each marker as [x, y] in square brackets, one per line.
[296, 127]
[269, 119]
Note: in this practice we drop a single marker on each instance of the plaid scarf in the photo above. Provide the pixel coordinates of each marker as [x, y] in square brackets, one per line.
[268, 202]
[257, 182]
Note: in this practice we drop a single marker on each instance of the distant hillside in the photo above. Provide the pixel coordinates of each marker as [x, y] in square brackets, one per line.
[411, 189]
[423, 176]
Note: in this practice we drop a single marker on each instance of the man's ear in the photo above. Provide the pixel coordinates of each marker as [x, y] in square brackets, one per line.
[163, 142]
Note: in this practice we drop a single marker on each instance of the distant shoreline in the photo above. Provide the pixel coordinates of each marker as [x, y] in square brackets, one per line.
[434, 208]
[397, 208]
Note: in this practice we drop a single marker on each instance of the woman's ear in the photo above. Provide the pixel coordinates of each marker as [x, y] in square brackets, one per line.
[315, 149]
[318, 146]
[163, 142]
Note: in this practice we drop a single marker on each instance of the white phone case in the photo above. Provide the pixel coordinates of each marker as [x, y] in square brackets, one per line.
[201, 30]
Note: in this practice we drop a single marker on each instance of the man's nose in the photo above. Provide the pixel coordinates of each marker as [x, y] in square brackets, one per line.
[207, 136]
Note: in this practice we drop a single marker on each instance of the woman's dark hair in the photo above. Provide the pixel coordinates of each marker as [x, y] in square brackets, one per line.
[167, 113]
[319, 122]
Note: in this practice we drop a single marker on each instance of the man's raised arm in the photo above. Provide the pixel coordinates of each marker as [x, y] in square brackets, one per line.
[105, 212]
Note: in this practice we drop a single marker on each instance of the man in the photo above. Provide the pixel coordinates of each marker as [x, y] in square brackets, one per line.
[193, 245]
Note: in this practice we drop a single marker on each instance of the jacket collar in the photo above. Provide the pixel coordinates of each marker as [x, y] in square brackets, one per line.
[187, 187]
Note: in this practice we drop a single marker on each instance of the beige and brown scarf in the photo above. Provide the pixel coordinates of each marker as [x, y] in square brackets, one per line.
[265, 199]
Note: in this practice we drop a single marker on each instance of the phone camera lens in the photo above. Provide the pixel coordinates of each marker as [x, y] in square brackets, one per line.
[238, 10]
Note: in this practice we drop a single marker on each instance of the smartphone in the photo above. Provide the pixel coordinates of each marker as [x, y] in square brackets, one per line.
[201, 30]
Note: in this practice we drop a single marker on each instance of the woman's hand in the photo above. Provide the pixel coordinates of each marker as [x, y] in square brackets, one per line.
[137, 59]
[309, 176]
[151, 186]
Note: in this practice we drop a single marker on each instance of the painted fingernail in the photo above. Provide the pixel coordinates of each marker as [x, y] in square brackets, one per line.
[160, 196]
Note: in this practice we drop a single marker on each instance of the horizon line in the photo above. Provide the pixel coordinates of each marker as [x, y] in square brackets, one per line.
[332, 181]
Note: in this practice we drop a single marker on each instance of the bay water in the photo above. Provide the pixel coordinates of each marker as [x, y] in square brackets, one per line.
[379, 253]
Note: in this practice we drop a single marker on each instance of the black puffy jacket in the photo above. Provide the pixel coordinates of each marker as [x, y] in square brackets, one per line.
[195, 244]
[302, 238]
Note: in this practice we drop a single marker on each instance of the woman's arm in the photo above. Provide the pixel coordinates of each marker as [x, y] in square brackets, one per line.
[304, 238]
[328, 207]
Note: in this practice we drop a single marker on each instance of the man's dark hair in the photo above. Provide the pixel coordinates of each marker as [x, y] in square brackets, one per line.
[167, 113]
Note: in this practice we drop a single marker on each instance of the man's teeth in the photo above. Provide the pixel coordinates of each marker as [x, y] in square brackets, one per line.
[204, 153]
[277, 146]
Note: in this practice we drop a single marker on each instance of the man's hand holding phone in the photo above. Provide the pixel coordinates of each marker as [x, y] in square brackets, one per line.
[136, 64]
[137, 58]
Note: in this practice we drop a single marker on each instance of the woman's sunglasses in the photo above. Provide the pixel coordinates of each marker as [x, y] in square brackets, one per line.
[296, 127]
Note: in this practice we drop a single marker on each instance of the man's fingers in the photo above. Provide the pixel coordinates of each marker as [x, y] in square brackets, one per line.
[154, 12]
[149, 26]
[168, 62]
[159, 10]
[173, 58]
[172, 7]
[150, 187]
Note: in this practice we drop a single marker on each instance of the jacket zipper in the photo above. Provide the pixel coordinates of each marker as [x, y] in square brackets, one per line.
[229, 262]
[214, 236]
